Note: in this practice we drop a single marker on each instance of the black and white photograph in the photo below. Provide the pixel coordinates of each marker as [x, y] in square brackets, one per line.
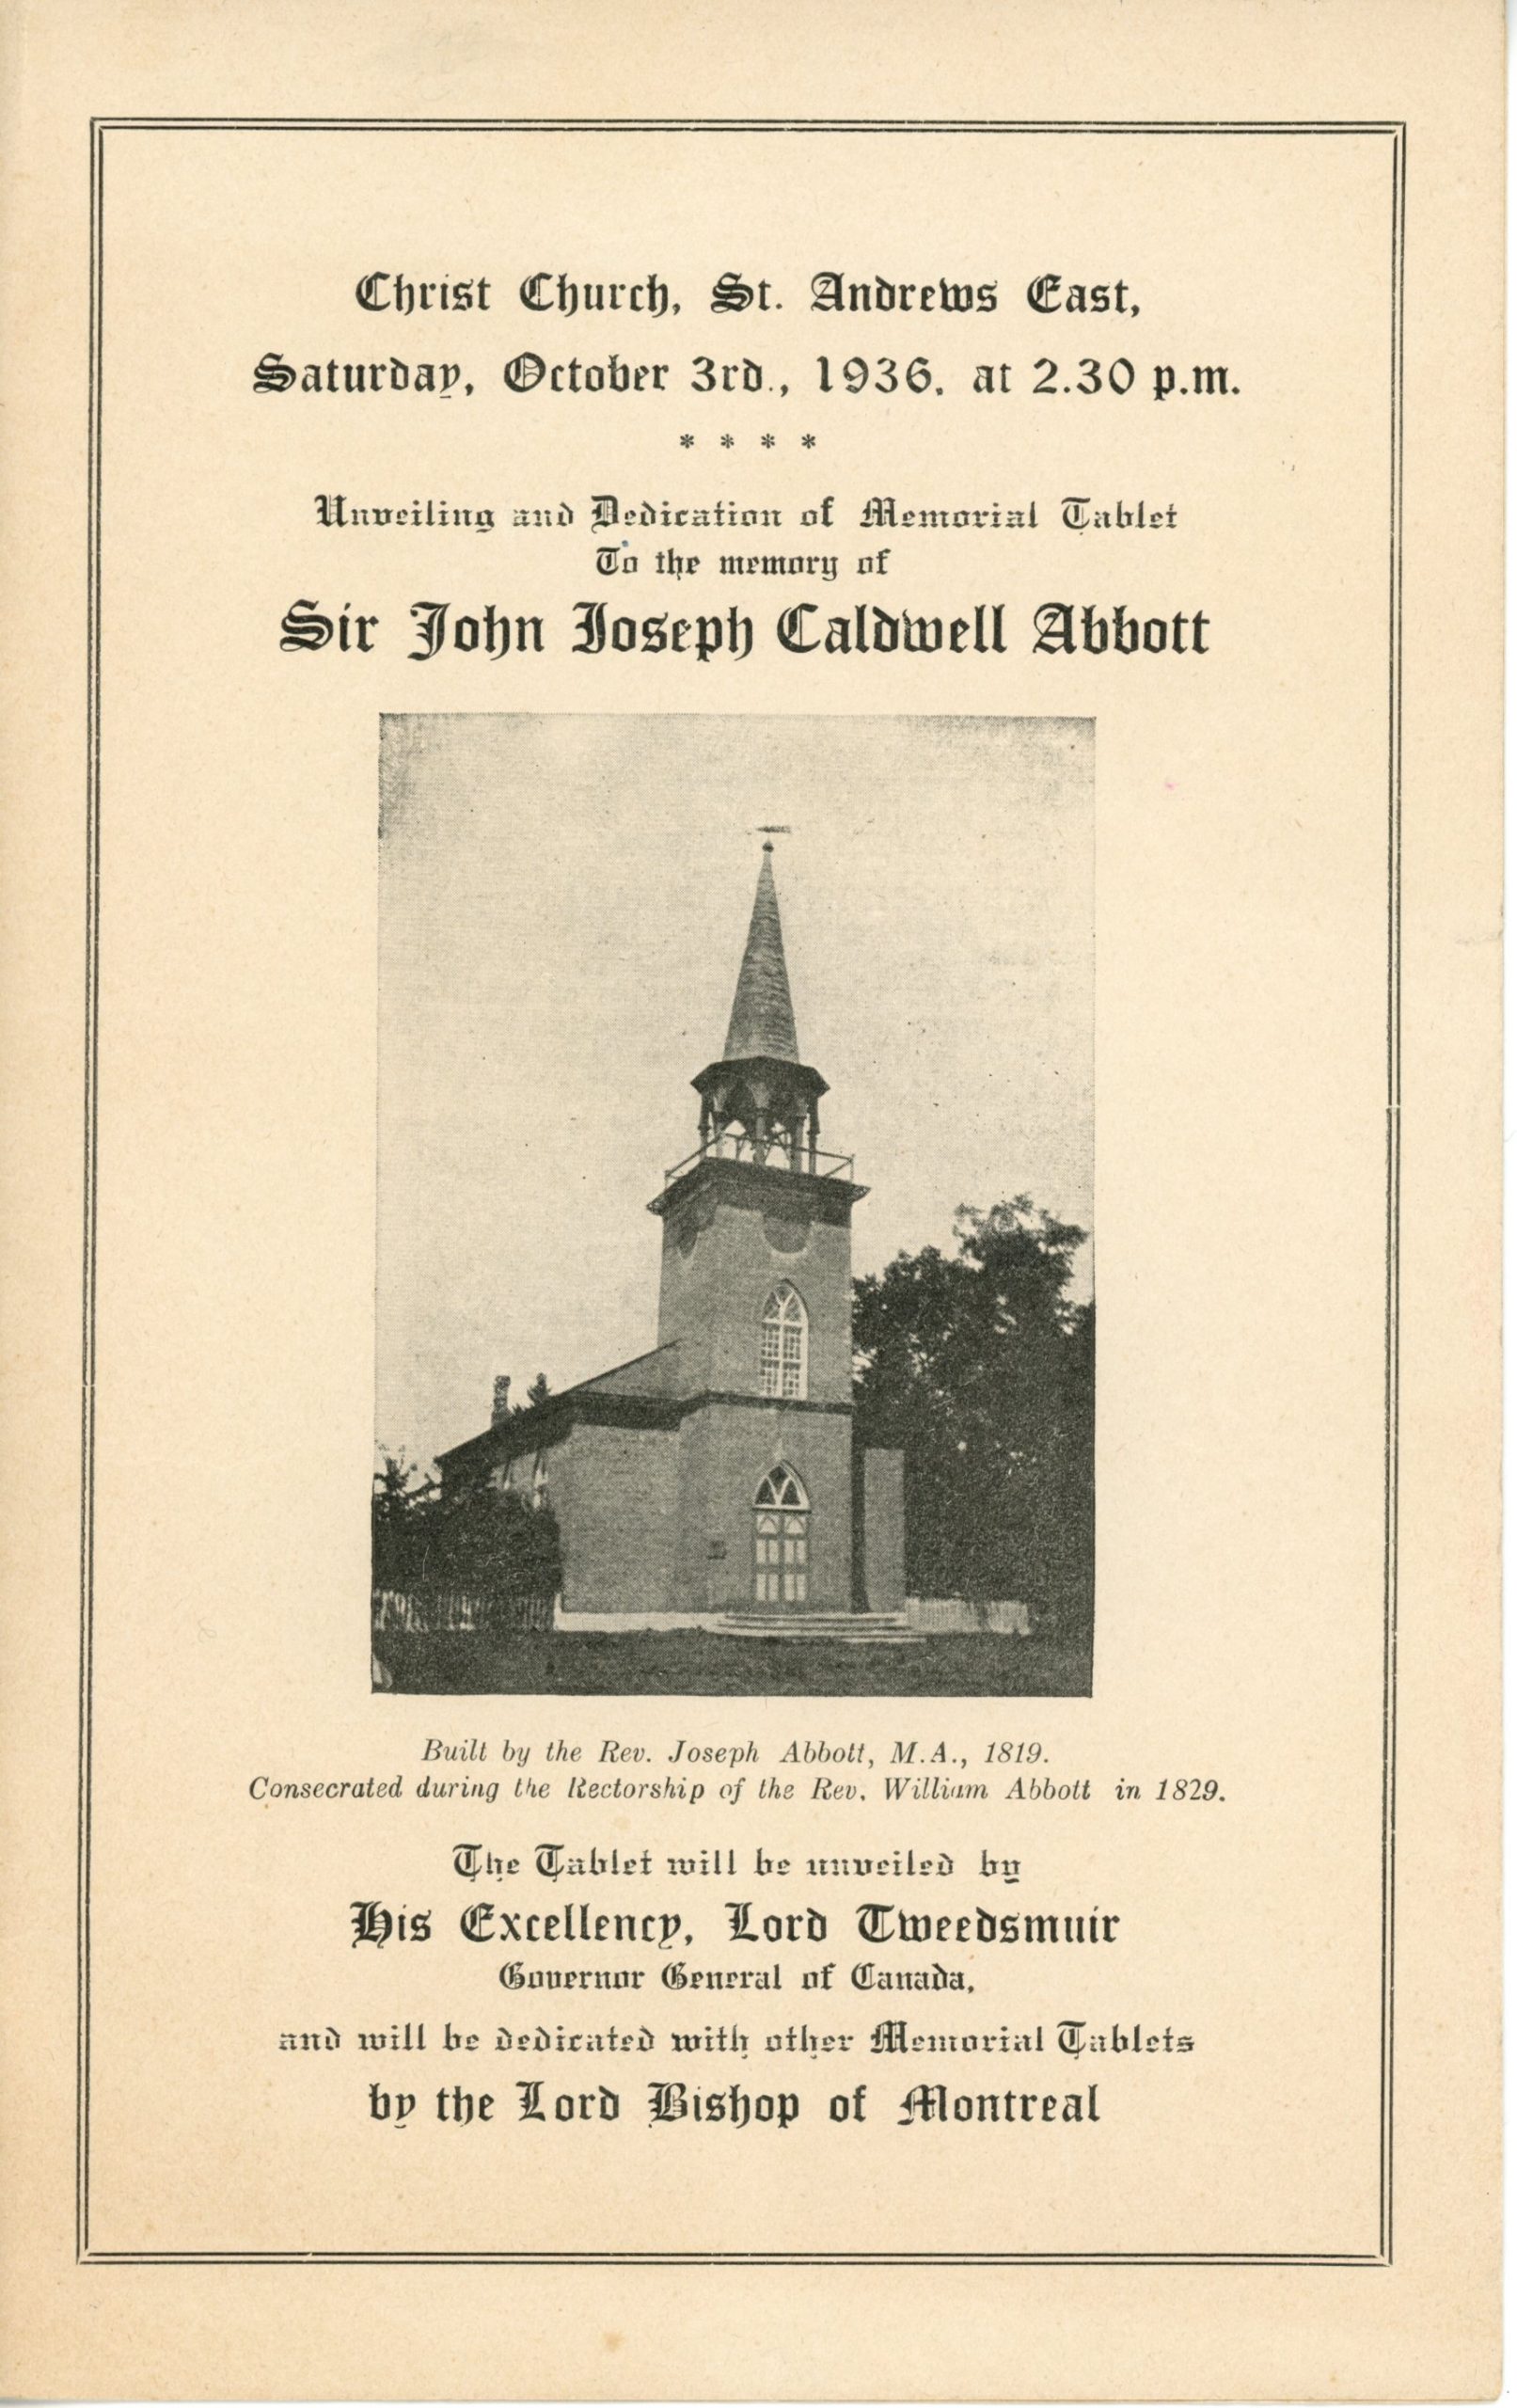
[736, 1302]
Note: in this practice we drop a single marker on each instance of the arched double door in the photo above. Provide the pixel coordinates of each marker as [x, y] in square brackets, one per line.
[780, 1539]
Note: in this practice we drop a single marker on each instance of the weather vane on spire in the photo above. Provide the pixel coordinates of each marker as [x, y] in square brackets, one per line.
[772, 827]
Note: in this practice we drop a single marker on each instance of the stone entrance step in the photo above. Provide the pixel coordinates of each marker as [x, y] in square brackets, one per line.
[852, 1630]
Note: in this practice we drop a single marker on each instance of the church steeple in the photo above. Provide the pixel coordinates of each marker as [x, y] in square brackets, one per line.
[758, 1102]
[763, 1017]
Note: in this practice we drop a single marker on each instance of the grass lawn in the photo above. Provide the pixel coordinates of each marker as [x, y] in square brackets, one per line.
[697, 1663]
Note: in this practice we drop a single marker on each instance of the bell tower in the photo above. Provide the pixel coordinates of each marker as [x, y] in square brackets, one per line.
[756, 1293]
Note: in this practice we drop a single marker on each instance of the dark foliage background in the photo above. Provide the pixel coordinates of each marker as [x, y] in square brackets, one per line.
[981, 1367]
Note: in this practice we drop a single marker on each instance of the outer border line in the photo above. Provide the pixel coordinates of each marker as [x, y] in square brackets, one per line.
[91, 1172]
[1393, 1199]
[99, 127]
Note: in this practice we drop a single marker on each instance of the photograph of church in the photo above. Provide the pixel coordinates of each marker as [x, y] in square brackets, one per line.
[817, 1416]
[716, 1479]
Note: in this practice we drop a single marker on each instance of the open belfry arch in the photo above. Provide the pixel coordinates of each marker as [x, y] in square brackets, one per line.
[715, 1479]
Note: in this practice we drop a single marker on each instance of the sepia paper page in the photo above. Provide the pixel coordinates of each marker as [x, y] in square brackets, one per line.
[751, 1063]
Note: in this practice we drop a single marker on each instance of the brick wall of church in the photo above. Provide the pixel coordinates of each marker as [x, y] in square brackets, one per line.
[882, 1470]
[615, 1493]
[718, 1278]
[725, 1451]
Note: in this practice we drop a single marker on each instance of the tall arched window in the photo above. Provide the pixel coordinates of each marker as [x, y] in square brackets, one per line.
[781, 1506]
[783, 1344]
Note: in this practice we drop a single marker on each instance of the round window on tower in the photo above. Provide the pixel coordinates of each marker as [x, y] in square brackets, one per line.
[783, 1235]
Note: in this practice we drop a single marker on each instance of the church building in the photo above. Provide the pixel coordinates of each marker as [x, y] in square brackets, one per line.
[715, 1482]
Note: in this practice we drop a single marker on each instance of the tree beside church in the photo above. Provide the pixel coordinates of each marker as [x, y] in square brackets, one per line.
[980, 1365]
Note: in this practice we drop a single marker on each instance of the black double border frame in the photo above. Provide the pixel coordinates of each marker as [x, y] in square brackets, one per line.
[1394, 134]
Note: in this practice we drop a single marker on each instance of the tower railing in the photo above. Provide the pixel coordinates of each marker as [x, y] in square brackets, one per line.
[778, 1152]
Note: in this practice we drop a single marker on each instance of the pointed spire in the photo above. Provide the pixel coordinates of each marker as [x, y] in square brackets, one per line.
[762, 1019]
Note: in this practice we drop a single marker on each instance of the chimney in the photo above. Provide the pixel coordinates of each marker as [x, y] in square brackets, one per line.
[500, 1409]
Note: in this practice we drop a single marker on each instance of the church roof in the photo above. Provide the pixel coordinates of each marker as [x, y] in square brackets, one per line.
[763, 1019]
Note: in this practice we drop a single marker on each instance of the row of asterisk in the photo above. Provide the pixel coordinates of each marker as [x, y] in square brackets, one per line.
[808, 442]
